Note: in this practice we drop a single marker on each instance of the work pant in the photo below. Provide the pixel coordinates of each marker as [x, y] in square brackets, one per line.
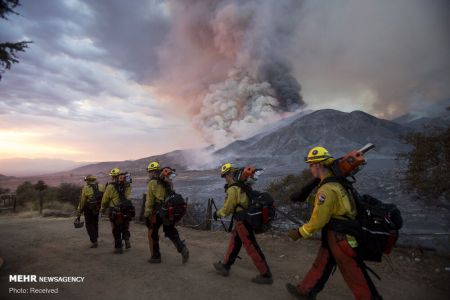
[242, 234]
[120, 231]
[91, 219]
[170, 232]
[336, 250]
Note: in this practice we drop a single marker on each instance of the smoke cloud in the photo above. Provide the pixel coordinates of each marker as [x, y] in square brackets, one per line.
[234, 65]
[222, 62]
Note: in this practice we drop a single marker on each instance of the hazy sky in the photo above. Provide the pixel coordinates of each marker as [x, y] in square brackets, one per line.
[116, 80]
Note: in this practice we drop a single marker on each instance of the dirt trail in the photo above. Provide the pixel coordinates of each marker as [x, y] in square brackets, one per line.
[52, 247]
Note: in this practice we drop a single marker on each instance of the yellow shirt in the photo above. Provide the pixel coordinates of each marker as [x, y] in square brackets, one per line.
[236, 200]
[331, 201]
[87, 193]
[111, 196]
[156, 193]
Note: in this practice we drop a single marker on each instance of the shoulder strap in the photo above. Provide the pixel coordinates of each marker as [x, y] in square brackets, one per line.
[121, 191]
[166, 185]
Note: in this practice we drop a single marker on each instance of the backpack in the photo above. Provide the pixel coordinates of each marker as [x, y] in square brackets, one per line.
[93, 203]
[174, 207]
[261, 210]
[376, 227]
[125, 206]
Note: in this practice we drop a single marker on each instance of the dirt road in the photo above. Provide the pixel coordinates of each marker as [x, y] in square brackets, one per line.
[52, 247]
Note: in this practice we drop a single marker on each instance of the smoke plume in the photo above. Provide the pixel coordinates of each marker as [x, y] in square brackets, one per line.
[233, 65]
[222, 63]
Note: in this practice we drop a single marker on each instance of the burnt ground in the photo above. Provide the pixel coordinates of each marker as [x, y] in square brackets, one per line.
[52, 247]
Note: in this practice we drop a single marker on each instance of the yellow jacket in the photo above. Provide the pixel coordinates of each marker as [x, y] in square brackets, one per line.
[156, 193]
[87, 193]
[111, 196]
[236, 200]
[330, 201]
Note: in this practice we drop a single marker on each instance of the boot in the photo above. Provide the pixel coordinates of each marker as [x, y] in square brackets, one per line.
[94, 245]
[263, 279]
[155, 260]
[185, 254]
[118, 250]
[292, 289]
[127, 244]
[221, 269]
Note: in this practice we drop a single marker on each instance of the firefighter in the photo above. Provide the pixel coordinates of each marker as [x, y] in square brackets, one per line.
[331, 202]
[91, 195]
[242, 233]
[117, 193]
[158, 188]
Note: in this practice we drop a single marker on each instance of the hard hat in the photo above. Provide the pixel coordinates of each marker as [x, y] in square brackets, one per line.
[90, 178]
[168, 172]
[114, 172]
[78, 223]
[153, 166]
[317, 154]
[228, 167]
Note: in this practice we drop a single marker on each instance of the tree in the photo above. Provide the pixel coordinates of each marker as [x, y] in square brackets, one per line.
[429, 164]
[69, 192]
[25, 193]
[9, 50]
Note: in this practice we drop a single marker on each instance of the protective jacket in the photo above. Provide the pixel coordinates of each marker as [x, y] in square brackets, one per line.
[330, 201]
[87, 194]
[111, 195]
[235, 201]
[156, 194]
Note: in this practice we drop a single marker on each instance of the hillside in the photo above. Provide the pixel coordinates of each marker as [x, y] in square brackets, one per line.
[338, 131]
[284, 141]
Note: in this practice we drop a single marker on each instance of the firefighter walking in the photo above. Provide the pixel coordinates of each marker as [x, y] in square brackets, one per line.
[91, 196]
[158, 188]
[116, 199]
[331, 202]
[242, 233]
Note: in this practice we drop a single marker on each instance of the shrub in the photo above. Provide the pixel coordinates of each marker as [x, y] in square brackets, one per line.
[429, 164]
[69, 192]
[282, 188]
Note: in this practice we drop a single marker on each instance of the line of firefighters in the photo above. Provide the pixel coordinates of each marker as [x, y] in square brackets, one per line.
[330, 200]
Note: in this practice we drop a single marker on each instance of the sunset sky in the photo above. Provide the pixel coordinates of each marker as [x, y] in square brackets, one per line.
[116, 80]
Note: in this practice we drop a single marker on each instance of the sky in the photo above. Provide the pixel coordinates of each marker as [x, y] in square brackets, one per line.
[116, 80]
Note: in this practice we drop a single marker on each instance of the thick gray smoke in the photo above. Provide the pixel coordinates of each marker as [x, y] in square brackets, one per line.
[234, 65]
[222, 61]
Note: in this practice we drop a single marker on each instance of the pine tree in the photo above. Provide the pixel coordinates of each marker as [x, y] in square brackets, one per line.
[8, 50]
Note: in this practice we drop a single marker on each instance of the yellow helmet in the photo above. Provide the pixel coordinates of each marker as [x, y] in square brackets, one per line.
[114, 172]
[90, 178]
[153, 166]
[317, 154]
[228, 167]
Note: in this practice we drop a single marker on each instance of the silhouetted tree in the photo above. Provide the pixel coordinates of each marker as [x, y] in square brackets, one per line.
[69, 192]
[8, 50]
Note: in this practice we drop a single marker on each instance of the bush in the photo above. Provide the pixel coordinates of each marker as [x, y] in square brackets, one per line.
[28, 195]
[69, 192]
[281, 189]
[429, 164]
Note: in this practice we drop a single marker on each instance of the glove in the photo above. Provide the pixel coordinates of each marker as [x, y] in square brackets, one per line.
[294, 234]
[215, 216]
